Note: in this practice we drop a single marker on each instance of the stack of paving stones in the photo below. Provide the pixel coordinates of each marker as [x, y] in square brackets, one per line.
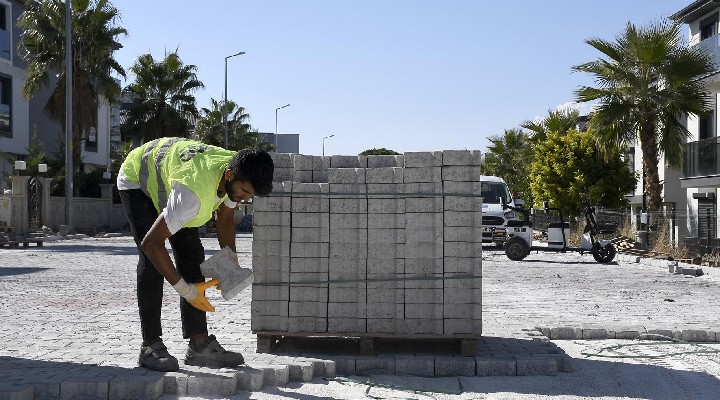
[386, 245]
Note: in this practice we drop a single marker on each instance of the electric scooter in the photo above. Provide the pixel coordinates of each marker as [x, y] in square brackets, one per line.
[519, 239]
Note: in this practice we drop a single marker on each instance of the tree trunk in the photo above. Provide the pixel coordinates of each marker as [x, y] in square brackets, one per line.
[653, 188]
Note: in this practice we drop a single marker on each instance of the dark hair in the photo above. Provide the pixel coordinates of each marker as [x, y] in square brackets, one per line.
[256, 166]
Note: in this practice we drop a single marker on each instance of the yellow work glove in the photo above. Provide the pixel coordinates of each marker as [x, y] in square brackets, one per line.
[195, 293]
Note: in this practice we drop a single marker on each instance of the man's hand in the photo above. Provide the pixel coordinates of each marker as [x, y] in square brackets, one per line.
[195, 293]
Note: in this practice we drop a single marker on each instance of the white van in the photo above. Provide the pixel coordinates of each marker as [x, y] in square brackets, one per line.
[495, 192]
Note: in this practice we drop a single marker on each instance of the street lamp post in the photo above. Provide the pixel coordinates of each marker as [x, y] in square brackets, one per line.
[225, 100]
[326, 137]
[276, 131]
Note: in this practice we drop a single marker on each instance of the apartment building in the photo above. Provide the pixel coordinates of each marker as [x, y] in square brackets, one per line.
[20, 116]
[700, 178]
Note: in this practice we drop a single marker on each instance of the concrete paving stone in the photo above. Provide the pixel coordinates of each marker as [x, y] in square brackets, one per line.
[384, 175]
[344, 365]
[384, 161]
[302, 162]
[315, 309]
[275, 375]
[385, 325]
[462, 249]
[414, 159]
[175, 383]
[491, 366]
[424, 204]
[462, 218]
[346, 325]
[272, 203]
[353, 176]
[271, 218]
[350, 220]
[466, 204]
[347, 235]
[597, 333]
[386, 236]
[280, 175]
[261, 248]
[385, 250]
[281, 233]
[381, 311]
[415, 365]
[307, 324]
[310, 220]
[372, 365]
[424, 235]
[310, 204]
[461, 173]
[282, 160]
[537, 365]
[346, 250]
[454, 366]
[299, 371]
[462, 311]
[319, 264]
[303, 176]
[627, 332]
[137, 387]
[385, 205]
[421, 326]
[385, 221]
[250, 379]
[305, 235]
[270, 323]
[565, 333]
[462, 157]
[385, 191]
[697, 335]
[309, 293]
[348, 191]
[423, 250]
[270, 292]
[309, 250]
[380, 266]
[462, 265]
[422, 175]
[79, 387]
[321, 163]
[261, 276]
[337, 161]
[348, 206]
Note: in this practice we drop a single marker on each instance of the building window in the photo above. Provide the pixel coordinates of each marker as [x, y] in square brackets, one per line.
[708, 27]
[5, 40]
[5, 106]
[707, 127]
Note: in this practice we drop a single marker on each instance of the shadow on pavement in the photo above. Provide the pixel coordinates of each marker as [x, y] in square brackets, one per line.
[10, 271]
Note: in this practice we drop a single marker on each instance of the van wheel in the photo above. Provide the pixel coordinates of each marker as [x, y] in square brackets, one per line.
[516, 248]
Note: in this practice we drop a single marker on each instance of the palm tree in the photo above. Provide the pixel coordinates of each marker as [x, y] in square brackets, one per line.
[559, 121]
[94, 35]
[162, 100]
[646, 83]
[509, 156]
[210, 128]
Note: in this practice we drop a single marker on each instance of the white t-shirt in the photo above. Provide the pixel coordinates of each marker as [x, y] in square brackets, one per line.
[182, 205]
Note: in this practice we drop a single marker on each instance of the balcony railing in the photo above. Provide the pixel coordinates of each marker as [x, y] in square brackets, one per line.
[701, 158]
[712, 46]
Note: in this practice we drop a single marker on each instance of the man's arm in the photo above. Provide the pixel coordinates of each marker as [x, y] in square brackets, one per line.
[225, 226]
[153, 245]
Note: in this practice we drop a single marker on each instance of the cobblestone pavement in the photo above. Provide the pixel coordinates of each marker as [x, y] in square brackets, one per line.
[70, 325]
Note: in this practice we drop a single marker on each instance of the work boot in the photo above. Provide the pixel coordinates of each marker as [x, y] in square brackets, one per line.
[210, 354]
[157, 358]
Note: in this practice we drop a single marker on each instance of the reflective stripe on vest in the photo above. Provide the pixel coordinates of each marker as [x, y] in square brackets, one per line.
[144, 168]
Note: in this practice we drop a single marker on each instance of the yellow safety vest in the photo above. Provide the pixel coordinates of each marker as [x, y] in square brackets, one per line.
[158, 164]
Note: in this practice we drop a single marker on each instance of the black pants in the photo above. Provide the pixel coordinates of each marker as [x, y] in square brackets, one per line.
[188, 253]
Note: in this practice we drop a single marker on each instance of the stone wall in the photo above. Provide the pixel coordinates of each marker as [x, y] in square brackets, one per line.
[370, 245]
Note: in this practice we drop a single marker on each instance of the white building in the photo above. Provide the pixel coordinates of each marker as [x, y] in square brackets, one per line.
[700, 178]
[19, 116]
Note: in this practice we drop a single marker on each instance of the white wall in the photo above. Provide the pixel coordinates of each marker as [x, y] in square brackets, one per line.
[20, 112]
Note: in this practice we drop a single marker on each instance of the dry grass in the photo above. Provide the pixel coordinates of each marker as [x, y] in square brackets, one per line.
[663, 244]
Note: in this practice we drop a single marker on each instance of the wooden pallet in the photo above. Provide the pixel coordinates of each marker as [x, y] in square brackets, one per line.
[268, 341]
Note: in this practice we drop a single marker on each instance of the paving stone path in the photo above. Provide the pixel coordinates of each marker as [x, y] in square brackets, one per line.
[70, 326]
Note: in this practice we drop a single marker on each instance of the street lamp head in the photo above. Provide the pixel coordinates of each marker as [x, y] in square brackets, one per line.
[236, 54]
[280, 108]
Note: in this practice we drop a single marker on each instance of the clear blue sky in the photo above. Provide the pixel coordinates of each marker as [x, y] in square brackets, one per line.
[408, 75]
